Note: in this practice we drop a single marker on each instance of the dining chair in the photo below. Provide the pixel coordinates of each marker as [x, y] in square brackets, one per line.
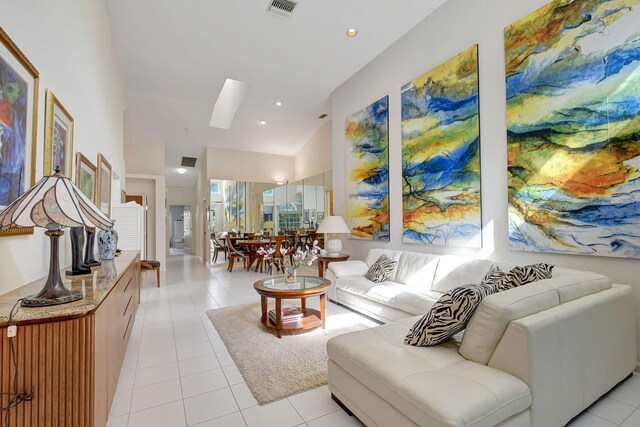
[236, 254]
[276, 259]
[217, 247]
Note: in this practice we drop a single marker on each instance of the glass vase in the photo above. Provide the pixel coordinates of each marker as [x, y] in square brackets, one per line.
[290, 274]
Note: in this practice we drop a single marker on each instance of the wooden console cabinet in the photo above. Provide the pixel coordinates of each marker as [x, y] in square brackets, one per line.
[69, 356]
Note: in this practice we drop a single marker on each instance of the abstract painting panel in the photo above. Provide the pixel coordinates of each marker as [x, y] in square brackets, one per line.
[441, 155]
[573, 128]
[367, 141]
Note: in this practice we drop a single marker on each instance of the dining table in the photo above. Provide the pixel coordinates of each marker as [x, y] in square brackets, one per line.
[252, 246]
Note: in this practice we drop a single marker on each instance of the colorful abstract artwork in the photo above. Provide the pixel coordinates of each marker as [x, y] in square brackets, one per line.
[58, 138]
[103, 192]
[367, 160]
[18, 109]
[234, 200]
[441, 155]
[573, 128]
[86, 176]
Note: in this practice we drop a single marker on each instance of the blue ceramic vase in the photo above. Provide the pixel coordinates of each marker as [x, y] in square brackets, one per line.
[107, 243]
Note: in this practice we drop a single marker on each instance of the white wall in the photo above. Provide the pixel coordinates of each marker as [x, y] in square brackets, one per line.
[70, 44]
[146, 157]
[145, 167]
[237, 165]
[316, 155]
[203, 198]
[180, 196]
[454, 27]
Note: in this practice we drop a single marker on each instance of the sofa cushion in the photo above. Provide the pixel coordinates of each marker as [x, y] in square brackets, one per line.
[381, 269]
[430, 386]
[417, 270]
[449, 315]
[348, 268]
[454, 271]
[375, 253]
[390, 293]
[486, 327]
[573, 284]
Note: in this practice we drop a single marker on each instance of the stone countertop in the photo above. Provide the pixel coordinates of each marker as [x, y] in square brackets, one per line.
[94, 287]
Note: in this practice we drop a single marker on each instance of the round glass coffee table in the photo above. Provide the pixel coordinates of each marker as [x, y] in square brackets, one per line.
[301, 319]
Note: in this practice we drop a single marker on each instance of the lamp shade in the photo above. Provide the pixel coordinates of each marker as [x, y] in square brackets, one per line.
[268, 225]
[334, 225]
[230, 225]
[54, 200]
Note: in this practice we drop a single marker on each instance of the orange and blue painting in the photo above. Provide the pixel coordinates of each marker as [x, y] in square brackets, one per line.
[573, 128]
[441, 155]
[367, 140]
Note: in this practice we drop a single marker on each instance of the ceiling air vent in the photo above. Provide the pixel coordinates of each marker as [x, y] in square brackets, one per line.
[188, 162]
[322, 116]
[282, 8]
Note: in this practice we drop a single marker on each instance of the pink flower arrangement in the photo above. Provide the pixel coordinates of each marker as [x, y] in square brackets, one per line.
[306, 257]
[299, 257]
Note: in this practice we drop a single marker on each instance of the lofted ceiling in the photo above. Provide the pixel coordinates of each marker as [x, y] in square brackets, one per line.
[176, 55]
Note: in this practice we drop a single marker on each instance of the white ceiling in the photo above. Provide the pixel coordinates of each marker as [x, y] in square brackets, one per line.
[176, 55]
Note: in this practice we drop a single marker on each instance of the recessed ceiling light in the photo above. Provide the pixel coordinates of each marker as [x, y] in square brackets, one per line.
[279, 104]
[262, 122]
[352, 32]
[182, 171]
[280, 182]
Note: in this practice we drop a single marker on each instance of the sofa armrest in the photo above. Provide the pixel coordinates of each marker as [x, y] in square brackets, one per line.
[571, 354]
[348, 268]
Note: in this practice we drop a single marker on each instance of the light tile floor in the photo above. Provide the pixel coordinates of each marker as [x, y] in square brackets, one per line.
[177, 371]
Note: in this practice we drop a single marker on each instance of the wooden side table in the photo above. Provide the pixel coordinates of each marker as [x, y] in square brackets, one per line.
[323, 262]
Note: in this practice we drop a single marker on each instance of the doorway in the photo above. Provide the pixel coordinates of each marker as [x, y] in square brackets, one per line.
[179, 230]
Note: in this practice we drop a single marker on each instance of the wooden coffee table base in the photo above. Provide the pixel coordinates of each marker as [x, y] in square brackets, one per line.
[311, 318]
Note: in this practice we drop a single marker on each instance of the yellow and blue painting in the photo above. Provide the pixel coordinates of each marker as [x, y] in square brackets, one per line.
[441, 155]
[573, 128]
[367, 140]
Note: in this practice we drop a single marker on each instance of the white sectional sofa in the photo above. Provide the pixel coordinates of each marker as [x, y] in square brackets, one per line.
[535, 355]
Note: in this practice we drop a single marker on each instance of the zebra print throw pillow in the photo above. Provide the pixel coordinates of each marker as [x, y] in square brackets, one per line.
[449, 315]
[521, 275]
[381, 269]
[494, 277]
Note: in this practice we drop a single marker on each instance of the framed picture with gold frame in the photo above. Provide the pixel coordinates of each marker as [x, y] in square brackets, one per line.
[19, 81]
[86, 177]
[58, 137]
[103, 195]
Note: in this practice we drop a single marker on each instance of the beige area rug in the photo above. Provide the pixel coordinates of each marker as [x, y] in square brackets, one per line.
[277, 368]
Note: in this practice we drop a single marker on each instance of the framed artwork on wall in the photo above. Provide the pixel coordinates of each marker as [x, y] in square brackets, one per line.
[573, 129]
[19, 81]
[320, 217]
[367, 161]
[306, 216]
[441, 155]
[103, 193]
[86, 177]
[58, 137]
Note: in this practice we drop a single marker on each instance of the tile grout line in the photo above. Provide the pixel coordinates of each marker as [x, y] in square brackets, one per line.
[175, 349]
